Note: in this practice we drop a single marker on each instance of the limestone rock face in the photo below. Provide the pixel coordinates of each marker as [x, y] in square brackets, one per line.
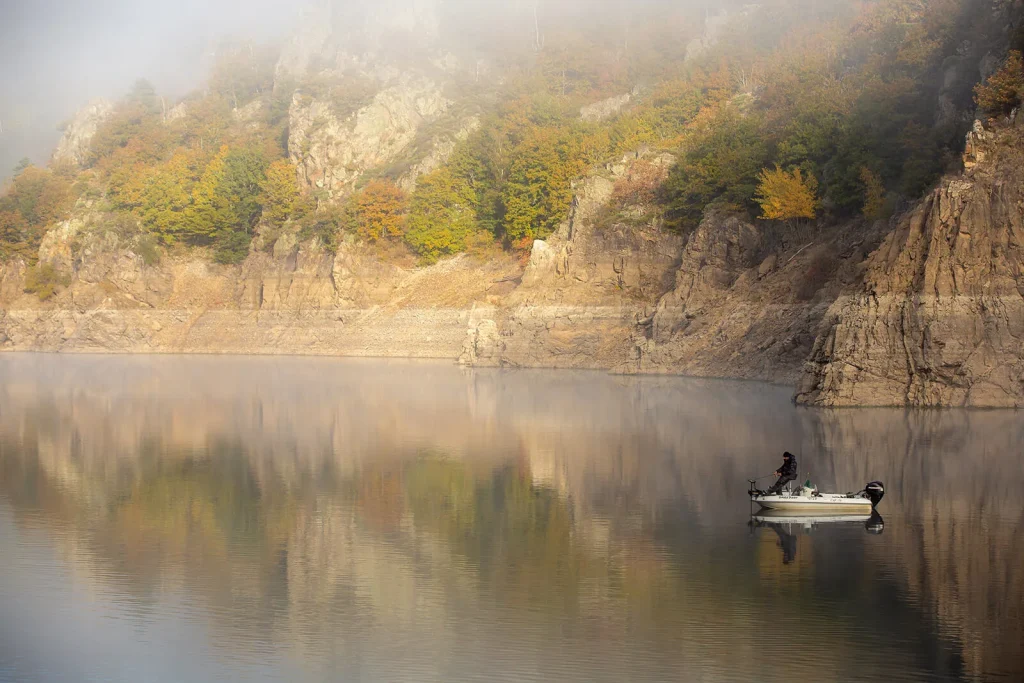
[55, 247]
[73, 147]
[940, 318]
[332, 153]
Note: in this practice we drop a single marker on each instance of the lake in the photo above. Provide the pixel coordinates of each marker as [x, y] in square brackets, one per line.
[222, 518]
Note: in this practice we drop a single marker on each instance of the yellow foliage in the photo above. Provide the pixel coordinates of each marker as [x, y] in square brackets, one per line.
[281, 198]
[785, 195]
[874, 194]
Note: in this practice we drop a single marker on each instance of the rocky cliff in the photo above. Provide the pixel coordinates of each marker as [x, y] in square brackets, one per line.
[732, 299]
[927, 310]
[939, 320]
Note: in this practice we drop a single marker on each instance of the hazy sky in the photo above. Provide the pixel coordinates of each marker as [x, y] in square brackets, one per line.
[56, 55]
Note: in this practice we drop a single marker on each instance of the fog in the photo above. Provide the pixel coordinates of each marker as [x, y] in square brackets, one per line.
[57, 55]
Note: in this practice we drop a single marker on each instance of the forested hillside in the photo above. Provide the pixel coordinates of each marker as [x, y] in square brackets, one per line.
[819, 193]
[790, 110]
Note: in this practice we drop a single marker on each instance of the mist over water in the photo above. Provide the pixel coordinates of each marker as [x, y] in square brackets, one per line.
[363, 520]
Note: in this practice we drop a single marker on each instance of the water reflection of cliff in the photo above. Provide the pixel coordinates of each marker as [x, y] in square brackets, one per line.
[331, 502]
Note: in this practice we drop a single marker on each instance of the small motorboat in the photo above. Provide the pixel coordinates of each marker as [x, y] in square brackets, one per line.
[809, 501]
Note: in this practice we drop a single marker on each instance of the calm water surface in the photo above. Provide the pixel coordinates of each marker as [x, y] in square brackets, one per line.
[194, 519]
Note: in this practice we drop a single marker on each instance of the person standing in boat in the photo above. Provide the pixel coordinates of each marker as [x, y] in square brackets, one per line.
[786, 473]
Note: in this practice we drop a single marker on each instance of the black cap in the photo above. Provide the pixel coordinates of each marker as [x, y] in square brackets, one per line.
[787, 454]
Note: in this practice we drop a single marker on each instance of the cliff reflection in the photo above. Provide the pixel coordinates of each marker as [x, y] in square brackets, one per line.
[330, 502]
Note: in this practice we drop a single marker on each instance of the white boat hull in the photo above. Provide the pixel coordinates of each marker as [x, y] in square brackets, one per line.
[830, 503]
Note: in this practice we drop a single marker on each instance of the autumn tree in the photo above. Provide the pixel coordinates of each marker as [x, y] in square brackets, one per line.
[242, 185]
[162, 197]
[133, 131]
[35, 200]
[39, 196]
[539, 189]
[281, 198]
[787, 195]
[16, 239]
[225, 202]
[720, 163]
[1004, 90]
[210, 209]
[441, 216]
[379, 210]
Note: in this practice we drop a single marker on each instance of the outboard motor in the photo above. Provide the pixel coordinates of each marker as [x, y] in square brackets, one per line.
[875, 491]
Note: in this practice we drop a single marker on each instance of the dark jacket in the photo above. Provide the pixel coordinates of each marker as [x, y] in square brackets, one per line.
[788, 468]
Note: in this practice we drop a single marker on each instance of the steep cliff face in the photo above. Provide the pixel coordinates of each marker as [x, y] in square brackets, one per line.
[746, 299]
[437, 148]
[940, 318]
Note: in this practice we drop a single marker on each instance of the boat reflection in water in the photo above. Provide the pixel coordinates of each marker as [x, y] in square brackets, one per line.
[787, 526]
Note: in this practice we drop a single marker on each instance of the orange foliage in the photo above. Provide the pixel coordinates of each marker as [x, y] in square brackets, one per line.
[380, 210]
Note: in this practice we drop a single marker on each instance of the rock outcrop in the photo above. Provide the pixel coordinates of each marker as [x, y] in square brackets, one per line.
[73, 147]
[332, 151]
[605, 109]
[940, 318]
